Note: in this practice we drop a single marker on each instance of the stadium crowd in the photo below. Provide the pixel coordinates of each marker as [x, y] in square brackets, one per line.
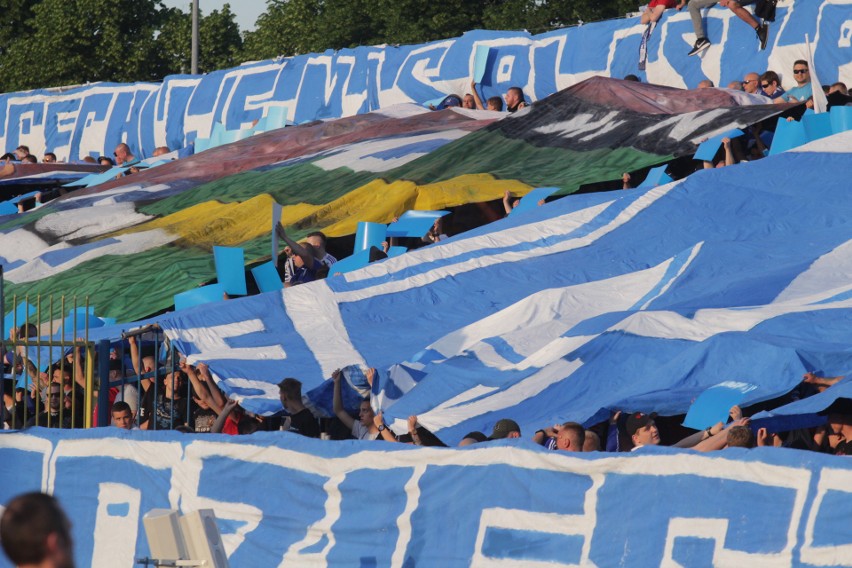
[149, 393]
[146, 394]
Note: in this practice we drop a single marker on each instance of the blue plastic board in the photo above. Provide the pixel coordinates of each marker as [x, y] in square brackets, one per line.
[369, 235]
[108, 175]
[414, 223]
[358, 260]
[841, 118]
[267, 278]
[202, 144]
[197, 296]
[817, 126]
[707, 150]
[530, 201]
[657, 176]
[788, 135]
[396, 251]
[479, 62]
[713, 405]
[19, 315]
[276, 117]
[78, 320]
[230, 269]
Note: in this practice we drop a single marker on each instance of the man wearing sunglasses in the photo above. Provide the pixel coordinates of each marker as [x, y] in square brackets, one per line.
[770, 85]
[803, 89]
[751, 84]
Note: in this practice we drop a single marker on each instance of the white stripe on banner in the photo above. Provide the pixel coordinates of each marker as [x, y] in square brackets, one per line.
[530, 323]
[213, 346]
[831, 270]
[524, 234]
[707, 323]
[316, 316]
[536, 231]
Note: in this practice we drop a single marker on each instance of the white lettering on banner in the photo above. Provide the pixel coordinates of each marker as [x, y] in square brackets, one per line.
[542, 523]
[116, 525]
[837, 554]
[187, 472]
[213, 345]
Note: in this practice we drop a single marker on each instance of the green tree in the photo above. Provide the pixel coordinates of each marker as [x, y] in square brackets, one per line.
[16, 21]
[291, 27]
[220, 42]
[285, 28]
[413, 21]
[77, 41]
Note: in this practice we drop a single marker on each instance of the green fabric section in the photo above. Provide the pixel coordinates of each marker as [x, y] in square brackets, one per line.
[128, 287]
[288, 185]
[132, 287]
[505, 158]
[135, 286]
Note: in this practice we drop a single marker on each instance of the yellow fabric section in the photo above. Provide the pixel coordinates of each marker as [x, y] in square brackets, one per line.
[225, 224]
[380, 202]
[230, 224]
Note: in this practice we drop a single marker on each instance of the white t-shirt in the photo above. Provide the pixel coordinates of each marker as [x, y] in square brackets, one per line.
[360, 431]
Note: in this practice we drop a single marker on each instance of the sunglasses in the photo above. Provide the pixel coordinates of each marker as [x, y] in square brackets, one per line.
[747, 81]
[799, 71]
[765, 85]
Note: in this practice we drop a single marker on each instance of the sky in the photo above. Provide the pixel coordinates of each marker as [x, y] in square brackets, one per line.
[246, 11]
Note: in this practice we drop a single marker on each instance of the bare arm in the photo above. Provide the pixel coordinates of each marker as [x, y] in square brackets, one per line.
[339, 411]
[223, 416]
[77, 359]
[507, 202]
[386, 433]
[204, 376]
[812, 379]
[476, 98]
[412, 430]
[297, 249]
[134, 354]
[200, 387]
[729, 154]
[720, 440]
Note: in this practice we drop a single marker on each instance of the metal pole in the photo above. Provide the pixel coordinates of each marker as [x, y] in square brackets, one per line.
[194, 64]
[3, 320]
[103, 392]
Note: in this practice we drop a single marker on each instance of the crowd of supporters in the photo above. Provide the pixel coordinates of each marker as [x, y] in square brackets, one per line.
[147, 393]
[151, 392]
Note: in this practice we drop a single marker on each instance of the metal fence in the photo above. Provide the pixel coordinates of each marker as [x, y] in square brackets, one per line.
[56, 376]
[51, 376]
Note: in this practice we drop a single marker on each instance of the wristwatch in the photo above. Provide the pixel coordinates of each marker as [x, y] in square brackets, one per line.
[382, 428]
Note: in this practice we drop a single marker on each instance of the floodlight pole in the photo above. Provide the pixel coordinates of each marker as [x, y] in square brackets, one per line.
[194, 64]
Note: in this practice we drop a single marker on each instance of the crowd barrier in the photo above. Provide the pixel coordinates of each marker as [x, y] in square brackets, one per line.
[91, 120]
[281, 499]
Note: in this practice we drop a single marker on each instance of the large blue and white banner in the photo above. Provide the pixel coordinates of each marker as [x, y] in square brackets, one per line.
[631, 300]
[91, 120]
[284, 500]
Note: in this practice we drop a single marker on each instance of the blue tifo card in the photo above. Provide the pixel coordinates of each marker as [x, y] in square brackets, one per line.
[230, 269]
[414, 223]
[480, 59]
[713, 405]
[656, 176]
[369, 235]
[530, 200]
[707, 150]
[267, 278]
[198, 296]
